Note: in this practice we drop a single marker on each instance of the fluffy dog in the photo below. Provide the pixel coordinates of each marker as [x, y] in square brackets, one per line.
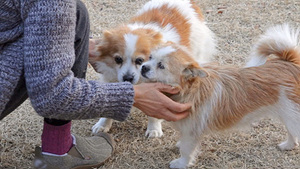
[121, 51]
[224, 97]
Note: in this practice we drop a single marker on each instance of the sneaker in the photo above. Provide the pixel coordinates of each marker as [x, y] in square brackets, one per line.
[86, 153]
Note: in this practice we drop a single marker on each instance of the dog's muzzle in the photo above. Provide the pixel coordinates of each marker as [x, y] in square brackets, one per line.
[144, 70]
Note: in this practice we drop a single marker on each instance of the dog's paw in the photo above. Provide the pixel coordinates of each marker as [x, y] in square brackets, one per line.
[178, 144]
[103, 125]
[96, 129]
[255, 124]
[178, 163]
[287, 145]
[154, 133]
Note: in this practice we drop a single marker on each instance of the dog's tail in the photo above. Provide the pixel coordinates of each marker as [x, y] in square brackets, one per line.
[281, 41]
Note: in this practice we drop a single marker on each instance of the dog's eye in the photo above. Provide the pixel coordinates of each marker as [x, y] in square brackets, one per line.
[150, 57]
[160, 65]
[118, 60]
[139, 61]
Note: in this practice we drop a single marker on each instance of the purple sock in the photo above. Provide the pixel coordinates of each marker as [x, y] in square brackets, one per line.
[57, 139]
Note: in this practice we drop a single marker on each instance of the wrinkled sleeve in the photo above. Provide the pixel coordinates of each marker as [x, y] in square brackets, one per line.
[49, 33]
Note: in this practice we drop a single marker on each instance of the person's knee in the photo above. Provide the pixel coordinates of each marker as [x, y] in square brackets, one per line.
[82, 22]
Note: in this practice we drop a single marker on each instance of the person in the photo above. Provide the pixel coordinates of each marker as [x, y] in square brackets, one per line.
[43, 57]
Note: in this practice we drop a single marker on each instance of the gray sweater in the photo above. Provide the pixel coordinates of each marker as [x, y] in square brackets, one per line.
[37, 38]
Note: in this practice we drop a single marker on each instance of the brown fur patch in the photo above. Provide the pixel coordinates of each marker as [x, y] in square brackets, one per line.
[291, 55]
[165, 15]
[113, 42]
[147, 40]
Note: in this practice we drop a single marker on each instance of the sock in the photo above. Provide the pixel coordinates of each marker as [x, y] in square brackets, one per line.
[57, 139]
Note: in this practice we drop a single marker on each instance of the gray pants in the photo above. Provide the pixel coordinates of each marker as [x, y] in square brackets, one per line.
[81, 47]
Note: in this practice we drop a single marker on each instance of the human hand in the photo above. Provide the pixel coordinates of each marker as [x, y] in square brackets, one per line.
[150, 100]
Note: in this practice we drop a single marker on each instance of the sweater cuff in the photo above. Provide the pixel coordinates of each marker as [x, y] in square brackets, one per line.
[118, 100]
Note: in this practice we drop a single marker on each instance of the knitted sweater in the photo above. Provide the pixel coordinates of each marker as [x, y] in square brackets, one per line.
[37, 39]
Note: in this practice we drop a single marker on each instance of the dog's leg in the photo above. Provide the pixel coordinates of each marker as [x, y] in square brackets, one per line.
[189, 150]
[289, 144]
[154, 128]
[292, 126]
[178, 143]
[104, 125]
[290, 117]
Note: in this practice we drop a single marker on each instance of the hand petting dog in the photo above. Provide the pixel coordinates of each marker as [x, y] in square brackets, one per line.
[150, 100]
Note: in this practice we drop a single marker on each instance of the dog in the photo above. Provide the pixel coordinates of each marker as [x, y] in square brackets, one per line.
[225, 97]
[119, 54]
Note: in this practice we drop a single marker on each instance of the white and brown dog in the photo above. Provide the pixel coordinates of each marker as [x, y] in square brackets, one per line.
[224, 97]
[121, 51]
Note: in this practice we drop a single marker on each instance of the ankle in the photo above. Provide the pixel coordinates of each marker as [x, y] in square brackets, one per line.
[56, 139]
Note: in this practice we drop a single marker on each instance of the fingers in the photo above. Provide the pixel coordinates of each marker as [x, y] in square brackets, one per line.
[181, 115]
[167, 88]
[169, 116]
[175, 106]
[176, 111]
[180, 107]
[150, 99]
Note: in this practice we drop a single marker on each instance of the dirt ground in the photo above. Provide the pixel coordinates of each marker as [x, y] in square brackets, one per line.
[237, 25]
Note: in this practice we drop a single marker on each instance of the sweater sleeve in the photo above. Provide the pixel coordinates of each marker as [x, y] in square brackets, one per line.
[49, 33]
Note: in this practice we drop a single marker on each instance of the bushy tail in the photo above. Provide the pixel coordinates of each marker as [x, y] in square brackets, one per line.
[281, 41]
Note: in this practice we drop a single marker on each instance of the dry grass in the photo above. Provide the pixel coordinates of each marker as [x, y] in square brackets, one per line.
[237, 27]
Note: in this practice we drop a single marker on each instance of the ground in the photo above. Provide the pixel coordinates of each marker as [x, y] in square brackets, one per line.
[237, 25]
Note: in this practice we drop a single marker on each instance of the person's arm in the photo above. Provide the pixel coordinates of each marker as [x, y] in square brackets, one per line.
[49, 32]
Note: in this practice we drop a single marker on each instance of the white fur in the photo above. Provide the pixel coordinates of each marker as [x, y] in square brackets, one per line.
[168, 32]
[284, 38]
[154, 128]
[104, 125]
[183, 4]
[163, 51]
[128, 68]
[130, 42]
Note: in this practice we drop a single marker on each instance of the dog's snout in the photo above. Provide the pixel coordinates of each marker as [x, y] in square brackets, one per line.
[128, 78]
[145, 69]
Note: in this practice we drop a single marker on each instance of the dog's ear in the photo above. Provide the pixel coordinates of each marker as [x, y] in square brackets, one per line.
[94, 53]
[97, 46]
[107, 34]
[93, 48]
[192, 71]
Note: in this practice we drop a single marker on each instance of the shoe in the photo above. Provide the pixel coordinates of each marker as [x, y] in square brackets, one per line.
[85, 153]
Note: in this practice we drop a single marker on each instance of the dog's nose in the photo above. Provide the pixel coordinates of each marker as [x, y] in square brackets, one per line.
[128, 78]
[145, 69]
